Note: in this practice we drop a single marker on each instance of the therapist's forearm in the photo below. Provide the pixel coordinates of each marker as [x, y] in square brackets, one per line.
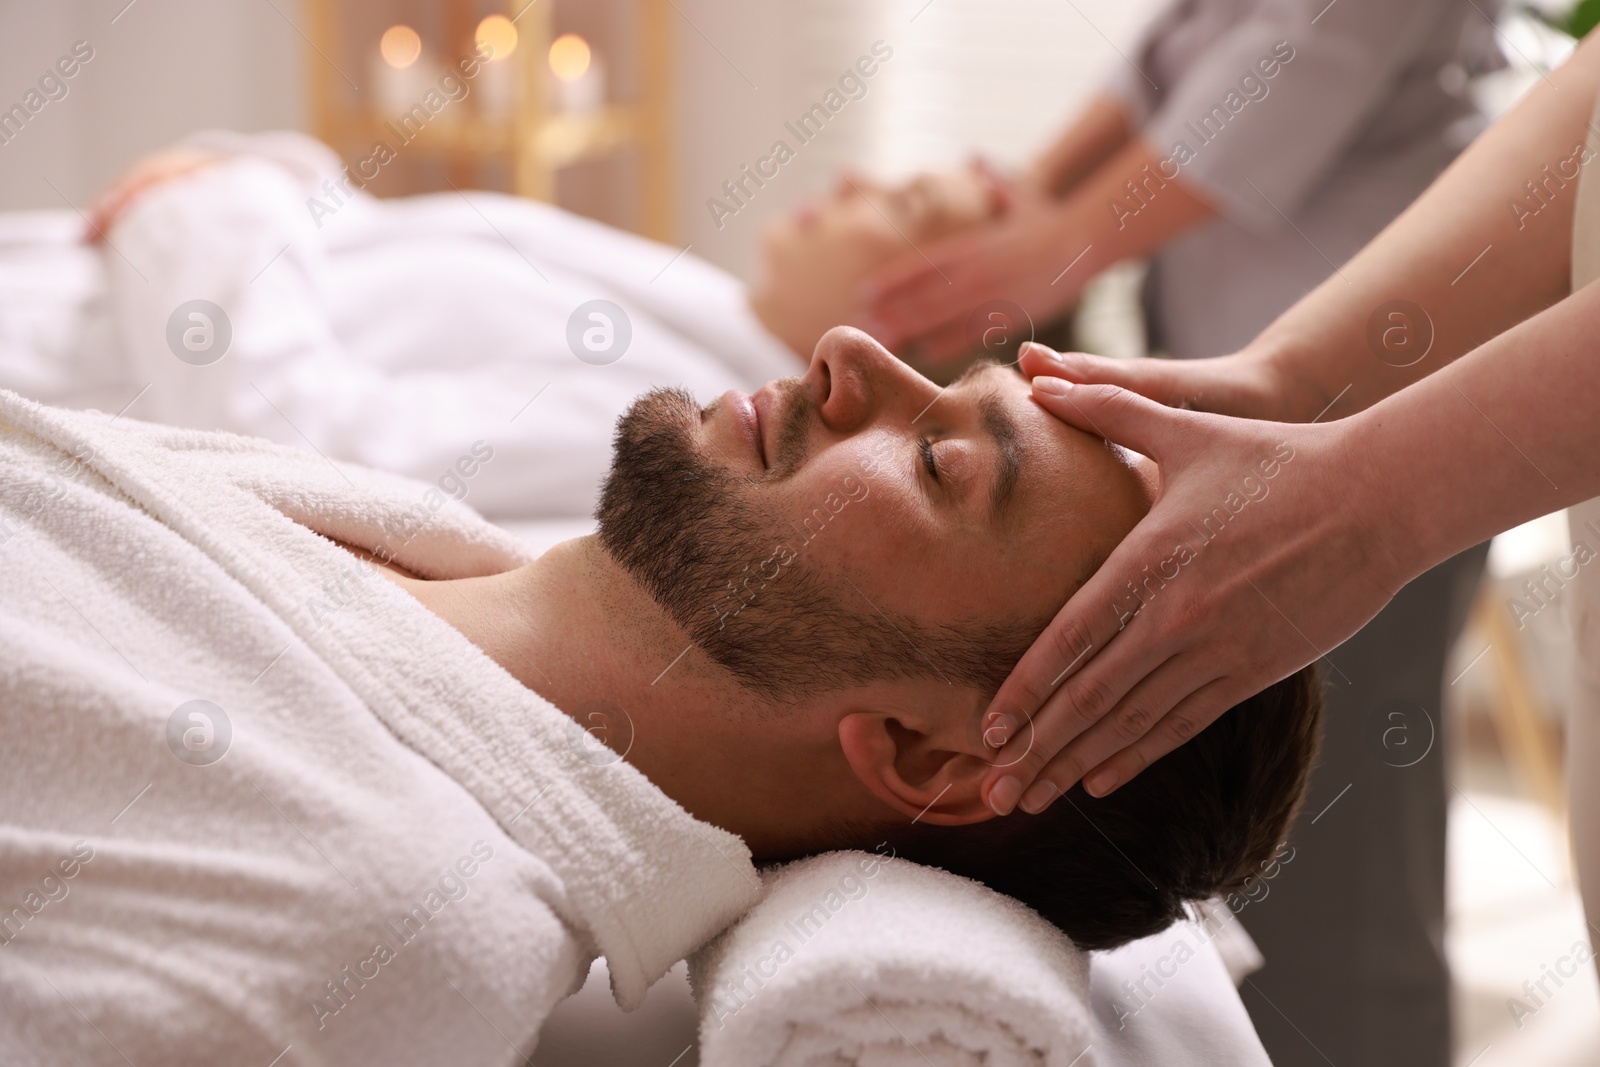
[1430, 256]
[1462, 253]
[1111, 222]
[1094, 137]
[1508, 432]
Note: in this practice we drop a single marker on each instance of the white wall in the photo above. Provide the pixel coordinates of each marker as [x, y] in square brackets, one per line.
[746, 68]
[164, 68]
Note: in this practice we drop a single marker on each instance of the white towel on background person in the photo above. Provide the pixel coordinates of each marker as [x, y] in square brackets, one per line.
[381, 782]
[854, 958]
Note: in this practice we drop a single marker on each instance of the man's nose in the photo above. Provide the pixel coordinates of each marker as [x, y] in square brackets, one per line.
[862, 383]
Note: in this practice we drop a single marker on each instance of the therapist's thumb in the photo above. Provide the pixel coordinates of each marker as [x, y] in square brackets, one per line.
[1119, 415]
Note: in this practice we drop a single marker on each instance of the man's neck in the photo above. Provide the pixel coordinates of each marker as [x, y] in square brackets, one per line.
[574, 627]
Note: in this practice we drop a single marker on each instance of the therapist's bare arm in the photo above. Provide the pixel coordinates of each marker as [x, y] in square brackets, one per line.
[1102, 128]
[1508, 433]
[1429, 256]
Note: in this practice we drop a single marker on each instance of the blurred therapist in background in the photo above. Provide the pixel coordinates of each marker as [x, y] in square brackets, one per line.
[1249, 147]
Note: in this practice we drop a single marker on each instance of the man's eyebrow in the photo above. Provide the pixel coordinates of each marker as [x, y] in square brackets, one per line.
[1002, 426]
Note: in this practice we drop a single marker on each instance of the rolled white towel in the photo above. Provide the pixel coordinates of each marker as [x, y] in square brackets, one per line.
[855, 958]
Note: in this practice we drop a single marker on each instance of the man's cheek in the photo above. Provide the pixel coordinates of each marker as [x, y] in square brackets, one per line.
[877, 537]
[886, 511]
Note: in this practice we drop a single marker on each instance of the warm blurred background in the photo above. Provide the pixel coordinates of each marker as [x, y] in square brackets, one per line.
[632, 111]
[636, 111]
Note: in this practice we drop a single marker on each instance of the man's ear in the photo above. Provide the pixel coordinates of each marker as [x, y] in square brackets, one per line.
[915, 773]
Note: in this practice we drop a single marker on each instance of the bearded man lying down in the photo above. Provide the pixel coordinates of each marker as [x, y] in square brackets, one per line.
[325, 774]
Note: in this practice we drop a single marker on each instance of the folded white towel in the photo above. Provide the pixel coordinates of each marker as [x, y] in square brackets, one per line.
[854, 958]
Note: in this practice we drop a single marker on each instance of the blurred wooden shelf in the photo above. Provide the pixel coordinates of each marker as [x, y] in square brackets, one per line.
[530, 145]
[558, 141]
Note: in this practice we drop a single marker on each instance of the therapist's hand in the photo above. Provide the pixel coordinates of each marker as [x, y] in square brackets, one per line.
[1247, 385]
[921, 304]
[1267, 545]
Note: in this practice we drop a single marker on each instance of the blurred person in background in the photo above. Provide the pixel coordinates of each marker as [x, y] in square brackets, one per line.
[1250, 147]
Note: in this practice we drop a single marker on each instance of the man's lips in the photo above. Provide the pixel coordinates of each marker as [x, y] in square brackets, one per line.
[765, 400]
[748, 417]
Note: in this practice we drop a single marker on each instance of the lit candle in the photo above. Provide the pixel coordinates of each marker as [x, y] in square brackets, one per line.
[580, 74]
[497, 36]
[398, 78]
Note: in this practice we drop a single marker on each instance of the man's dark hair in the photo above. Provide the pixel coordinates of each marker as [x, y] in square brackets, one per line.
[1197, 823]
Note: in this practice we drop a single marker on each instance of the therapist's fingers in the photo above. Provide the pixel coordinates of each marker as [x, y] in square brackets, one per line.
[1117, 414]
[1239, 384]
[1101, 682]
[1076, 672]
[1153, 378]
[941, 285]
[1186, 719]
[900, 273]
[1241, 567]
[1173, 703]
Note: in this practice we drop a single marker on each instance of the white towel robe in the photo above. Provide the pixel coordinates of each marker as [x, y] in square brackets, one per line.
[385, 782]
[395, 332]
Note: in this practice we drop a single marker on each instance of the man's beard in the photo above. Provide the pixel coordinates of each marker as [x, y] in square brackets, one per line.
[685, 529]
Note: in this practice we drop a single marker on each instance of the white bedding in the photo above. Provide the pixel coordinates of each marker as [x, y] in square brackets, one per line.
[392, 333]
